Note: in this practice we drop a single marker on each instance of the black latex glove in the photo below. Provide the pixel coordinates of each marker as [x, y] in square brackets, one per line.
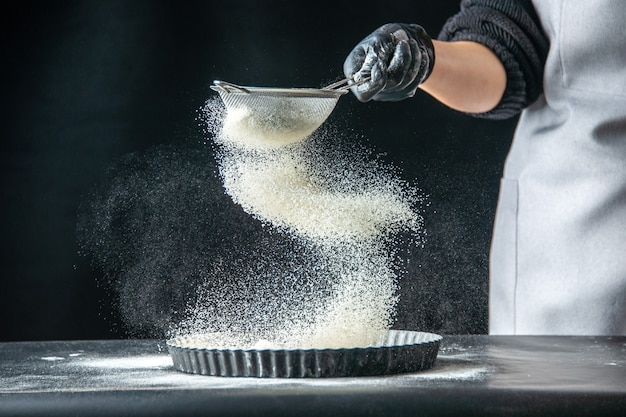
[397, 57]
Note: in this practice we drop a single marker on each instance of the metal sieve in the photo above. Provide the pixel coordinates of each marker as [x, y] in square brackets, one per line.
[278, 116]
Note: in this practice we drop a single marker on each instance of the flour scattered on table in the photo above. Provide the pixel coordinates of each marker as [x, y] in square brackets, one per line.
[52, 358]
[131, 362]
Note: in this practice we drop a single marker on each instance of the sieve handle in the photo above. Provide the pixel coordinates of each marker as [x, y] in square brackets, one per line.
[227, 87]
[345, 84]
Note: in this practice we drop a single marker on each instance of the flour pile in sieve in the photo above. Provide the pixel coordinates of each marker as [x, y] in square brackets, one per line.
[265, 130]
[344, 209]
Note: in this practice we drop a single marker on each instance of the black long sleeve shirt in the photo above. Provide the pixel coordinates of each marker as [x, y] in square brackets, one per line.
[511, 29]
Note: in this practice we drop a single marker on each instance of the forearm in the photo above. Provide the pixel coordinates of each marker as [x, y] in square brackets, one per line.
[467, 77]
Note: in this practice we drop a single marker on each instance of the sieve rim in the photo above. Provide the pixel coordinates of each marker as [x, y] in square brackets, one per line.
[229, 88]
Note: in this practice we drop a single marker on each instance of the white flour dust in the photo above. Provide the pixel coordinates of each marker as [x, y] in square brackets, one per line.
[284, 190]
[344, 209]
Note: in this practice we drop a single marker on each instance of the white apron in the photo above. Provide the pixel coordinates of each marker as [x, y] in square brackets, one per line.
[558, 254]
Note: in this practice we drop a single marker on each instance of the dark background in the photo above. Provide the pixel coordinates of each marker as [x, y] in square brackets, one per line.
[85, 83]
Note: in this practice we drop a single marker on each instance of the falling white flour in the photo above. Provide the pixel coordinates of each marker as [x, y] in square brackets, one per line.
[344, 209]
[279, 188]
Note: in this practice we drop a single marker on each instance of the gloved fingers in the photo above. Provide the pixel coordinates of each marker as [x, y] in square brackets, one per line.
[365, 53]
[371, 56]
[417, 70]
[377, 80]
[355, 60]
[399, 66]
[396, 59]
[412, 71]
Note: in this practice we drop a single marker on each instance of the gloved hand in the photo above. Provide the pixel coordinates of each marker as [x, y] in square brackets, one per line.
[397, 57]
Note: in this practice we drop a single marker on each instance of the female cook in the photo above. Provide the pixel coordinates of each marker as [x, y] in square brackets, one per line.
[558, 253]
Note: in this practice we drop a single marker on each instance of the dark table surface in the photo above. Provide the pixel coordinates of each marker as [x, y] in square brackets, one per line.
[473, 375]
